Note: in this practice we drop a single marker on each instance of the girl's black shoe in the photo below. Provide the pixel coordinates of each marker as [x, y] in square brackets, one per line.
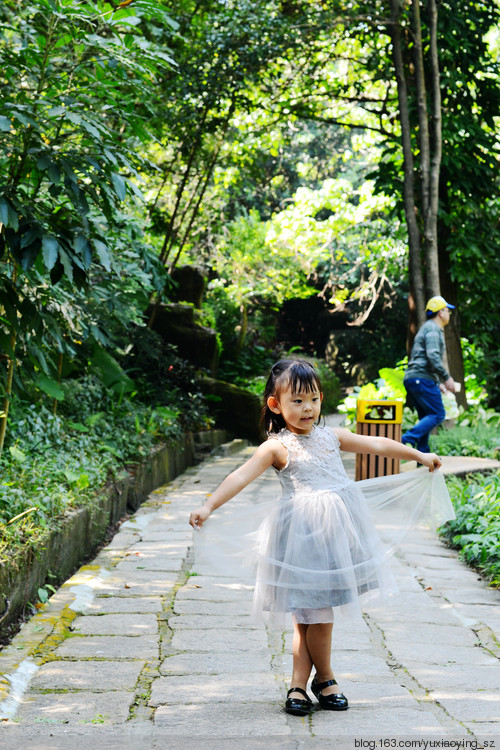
[297, 706]
[333, 702]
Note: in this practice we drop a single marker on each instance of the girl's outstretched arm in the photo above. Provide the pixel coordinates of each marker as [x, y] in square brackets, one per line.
[385, 447]
[267, 454]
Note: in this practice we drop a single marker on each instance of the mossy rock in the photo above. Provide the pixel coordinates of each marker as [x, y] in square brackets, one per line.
[234, 408]
[176, 324]
[190, 283]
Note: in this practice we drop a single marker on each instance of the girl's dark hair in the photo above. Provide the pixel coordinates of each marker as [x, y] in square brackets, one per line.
[297, 374]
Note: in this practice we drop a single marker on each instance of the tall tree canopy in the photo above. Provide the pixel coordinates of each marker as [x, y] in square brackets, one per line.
[138, 137]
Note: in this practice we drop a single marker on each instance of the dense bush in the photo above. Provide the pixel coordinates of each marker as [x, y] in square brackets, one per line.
[56, 462]
[475, 433]
[476, 529]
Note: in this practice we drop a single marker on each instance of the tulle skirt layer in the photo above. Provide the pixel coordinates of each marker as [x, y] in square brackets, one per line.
[315, 554]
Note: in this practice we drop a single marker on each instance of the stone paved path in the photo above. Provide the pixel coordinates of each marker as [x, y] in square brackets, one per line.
[136, 652]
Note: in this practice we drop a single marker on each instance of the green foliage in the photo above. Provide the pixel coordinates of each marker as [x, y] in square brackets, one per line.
[254, 268]
[218, 111]
[476, 433]
[389, 386]
[44, 593]
[70, 74]
[58, 462]
[69, 160]
[474, 372]
[476, 529]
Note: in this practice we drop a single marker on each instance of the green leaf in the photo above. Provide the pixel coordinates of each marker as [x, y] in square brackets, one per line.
[8, 215]
[103, 254]
[74, 118]
[394, 378]
[56, 111]
[50, 247]
[111, 373]
[119, 185]
[54, 174]
[4, 211]
[78, 426]
[17, 454]
[49, 386]
[81, 480]
[5, 124]
[91, 129]
[66, 262]
[13, 218]
[82, 247]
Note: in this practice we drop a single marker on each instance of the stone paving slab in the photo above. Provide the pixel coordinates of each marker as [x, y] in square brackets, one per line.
[441, 653]
[111, 707]
[489, 730]
[435, 677]
[181, 535]
[88, 675]
[186, 605]
[385, 722]
[219, 640]
[473, 614]
[138, 582]
[150, 551]
[459, 465]
[160, 563]
[470, 705]
[124, 604]
[451, 633]
[221, 688]
[462, 595]
[117, 624]
[228, 662]
[354, 666]
[209, 622]
[150, 738]
[109, 647]
[224, 720]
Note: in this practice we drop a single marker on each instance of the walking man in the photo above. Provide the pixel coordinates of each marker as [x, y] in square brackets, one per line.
[426, 376]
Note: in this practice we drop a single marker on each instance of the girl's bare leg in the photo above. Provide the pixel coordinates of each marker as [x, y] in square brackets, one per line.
[302, 661]
[319, 647]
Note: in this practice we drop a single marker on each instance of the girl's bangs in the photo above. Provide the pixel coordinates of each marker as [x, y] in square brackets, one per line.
[302, 379]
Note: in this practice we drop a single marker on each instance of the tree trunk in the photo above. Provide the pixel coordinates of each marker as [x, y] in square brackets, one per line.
[430, 150]
[431, 215]
[414, 240]
[429, 175]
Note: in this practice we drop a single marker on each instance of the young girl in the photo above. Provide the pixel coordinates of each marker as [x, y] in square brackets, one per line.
[316, 548]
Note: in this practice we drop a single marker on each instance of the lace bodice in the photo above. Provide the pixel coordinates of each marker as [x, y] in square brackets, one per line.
[314, 462]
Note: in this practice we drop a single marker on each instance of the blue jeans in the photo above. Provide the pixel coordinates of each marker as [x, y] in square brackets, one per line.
[425, 397]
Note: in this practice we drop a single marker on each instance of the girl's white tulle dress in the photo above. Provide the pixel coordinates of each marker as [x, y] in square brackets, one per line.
[318, 548]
